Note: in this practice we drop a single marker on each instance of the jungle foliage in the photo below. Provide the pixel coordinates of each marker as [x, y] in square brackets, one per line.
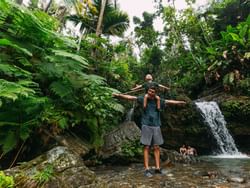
[46, 85]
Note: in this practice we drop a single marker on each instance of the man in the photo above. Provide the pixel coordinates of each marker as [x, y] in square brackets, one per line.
[150, 132]
[183, 150]
[191, 151]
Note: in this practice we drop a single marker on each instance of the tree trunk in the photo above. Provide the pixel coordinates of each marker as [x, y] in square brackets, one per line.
[48, 5]
[100, 19]
[19, 2]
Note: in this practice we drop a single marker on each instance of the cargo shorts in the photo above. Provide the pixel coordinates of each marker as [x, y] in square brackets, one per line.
[151, 135]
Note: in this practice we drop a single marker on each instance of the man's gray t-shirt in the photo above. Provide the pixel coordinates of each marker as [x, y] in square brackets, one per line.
[150, 116]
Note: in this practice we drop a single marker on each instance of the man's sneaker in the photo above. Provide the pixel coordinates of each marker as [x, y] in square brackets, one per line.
[159, 171]
[147, 173]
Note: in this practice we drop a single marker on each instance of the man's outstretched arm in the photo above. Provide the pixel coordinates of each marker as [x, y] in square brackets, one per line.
[164, 87]
[174, 102]
[124, 96]
[136, 87]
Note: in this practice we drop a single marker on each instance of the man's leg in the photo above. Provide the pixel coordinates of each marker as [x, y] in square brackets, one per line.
[145, 101]
[157, 156]
[146, 157]
[147, 172]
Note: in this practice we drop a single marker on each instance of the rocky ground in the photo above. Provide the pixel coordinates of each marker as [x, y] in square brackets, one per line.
[175, 176]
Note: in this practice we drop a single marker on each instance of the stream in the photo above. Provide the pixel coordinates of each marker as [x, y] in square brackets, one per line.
[210, 172]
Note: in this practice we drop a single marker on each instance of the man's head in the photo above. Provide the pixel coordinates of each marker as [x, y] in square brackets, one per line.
[151, 92]
[148, 77]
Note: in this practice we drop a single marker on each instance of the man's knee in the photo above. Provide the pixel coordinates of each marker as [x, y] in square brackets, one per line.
[146, 147]
[156, 147]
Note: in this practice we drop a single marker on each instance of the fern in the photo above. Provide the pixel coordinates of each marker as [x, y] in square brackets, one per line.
[11, 90]
[12, 70]
[61, 89]
[117, 107]
[5, 42]
[75, 57]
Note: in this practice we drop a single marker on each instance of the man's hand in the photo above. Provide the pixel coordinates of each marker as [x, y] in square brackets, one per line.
[116, 94]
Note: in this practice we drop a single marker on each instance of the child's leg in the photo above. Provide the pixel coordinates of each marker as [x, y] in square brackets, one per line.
[145, 101]
[158, 102]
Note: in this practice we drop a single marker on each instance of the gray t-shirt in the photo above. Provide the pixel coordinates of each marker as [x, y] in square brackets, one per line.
[150, 116]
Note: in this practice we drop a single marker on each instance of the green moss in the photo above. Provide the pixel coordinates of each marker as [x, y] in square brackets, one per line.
[45, 175]
[6, 181]
[237, 108]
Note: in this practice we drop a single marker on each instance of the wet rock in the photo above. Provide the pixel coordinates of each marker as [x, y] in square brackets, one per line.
[175, 157]
[206, 174]
[74, 143]
[125, 134]
[58, 168]
[236, 179]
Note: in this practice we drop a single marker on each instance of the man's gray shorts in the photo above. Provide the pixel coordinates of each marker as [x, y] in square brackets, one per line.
[151, 135]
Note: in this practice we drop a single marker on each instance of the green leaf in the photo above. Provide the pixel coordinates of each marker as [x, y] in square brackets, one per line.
[235, 37]
[75, 57]
[61, 89]
[117, 107]
[243, 31]
[14, 71]
[5, 42]
[9, 142]
[63, 123]
[12, 90]
[24, 132]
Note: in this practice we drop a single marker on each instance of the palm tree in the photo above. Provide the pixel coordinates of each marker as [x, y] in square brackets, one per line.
[107, 20]
[100, 19]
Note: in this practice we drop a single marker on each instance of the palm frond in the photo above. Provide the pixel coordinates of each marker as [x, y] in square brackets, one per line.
[115, 23]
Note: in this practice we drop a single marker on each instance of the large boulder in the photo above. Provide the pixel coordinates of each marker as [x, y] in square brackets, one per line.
[126, 134]
[57, 168]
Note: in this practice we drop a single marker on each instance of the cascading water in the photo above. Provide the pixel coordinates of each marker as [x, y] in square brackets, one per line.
[215, 120]
[130, 113]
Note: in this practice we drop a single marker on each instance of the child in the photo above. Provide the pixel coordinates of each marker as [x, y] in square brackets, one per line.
[148, 84]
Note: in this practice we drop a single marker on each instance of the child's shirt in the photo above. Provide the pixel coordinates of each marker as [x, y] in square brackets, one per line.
[148, 85]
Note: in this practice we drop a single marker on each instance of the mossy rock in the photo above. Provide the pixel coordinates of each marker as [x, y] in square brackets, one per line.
[236, 108]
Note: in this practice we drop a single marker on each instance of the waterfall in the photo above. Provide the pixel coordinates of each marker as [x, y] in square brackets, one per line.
[130, 113]
[215, 120]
